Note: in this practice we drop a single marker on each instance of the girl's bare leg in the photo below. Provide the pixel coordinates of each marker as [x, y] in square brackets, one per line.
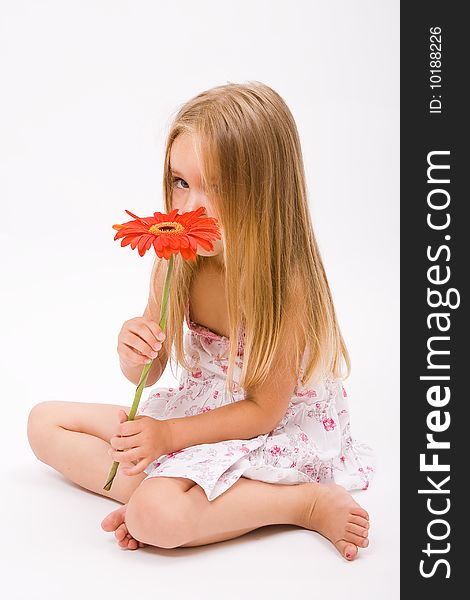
[279, 506]
[73, 438]
[327, 509]
[247, 505]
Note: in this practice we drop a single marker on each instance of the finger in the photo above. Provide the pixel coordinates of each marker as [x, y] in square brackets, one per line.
[151, 333]
[133, 427]
[141, 349]
[152, 339]
[148, 347]
[132, 356]
[158, 334]
[138, 468]
[124, 443]
[125, 456]
[139, 339]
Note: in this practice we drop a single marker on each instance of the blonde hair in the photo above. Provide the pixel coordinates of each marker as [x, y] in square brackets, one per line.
[249, 150]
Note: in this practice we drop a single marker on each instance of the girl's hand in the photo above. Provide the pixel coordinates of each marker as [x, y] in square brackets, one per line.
[139, 340]
[139, 442]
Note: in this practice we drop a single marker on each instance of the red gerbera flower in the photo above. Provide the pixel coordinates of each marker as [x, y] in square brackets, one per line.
[170, 233]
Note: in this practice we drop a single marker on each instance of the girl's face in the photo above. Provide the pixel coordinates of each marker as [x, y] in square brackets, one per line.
[187, 193]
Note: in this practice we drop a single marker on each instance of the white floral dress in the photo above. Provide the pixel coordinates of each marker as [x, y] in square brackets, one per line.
[311, 443]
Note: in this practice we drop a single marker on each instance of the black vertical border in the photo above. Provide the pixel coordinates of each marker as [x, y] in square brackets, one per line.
[421, 133]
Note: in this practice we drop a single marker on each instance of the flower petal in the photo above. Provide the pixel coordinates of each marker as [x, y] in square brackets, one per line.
[194, 231]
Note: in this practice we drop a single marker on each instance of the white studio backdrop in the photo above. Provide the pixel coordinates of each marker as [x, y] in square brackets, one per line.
[88, 92]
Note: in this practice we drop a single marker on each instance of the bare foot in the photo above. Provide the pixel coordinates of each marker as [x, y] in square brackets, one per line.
[333, 513]
[115, 522]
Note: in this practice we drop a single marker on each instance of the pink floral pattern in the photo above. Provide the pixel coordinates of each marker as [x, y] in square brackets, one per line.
[329, 424]
[312, 442]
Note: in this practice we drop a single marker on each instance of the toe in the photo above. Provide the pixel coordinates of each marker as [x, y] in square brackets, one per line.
[357, 529]
[124, 543]
[346, 549]
[113, 520]
[132, 545]
[108, 523]
[359, 540]
[360, 512]
[121, 532]
[359, 521]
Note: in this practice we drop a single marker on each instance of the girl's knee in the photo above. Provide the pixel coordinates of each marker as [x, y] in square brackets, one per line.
[157, 516]
[39, 418]
[42, 408]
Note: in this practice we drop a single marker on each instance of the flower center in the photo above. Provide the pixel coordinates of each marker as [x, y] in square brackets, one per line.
[166, 227]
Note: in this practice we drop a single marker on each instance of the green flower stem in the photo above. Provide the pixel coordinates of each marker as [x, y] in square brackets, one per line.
[146, 369]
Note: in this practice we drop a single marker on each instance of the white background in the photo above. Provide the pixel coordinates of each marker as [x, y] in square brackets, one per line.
[88, 90]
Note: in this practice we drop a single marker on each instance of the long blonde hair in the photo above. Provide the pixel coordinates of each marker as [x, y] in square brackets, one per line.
[252, 170]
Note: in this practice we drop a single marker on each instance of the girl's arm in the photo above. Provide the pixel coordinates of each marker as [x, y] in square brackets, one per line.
[240, 420]
[259, 413]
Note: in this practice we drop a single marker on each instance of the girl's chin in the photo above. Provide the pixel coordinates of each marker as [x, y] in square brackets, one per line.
[216, 252]
[208, 254]
[217, 257]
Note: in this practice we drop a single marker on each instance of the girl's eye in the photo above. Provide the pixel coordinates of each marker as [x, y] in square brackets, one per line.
[176, 179]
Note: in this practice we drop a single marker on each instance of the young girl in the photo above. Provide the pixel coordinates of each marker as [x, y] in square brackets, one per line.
[257, 433]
